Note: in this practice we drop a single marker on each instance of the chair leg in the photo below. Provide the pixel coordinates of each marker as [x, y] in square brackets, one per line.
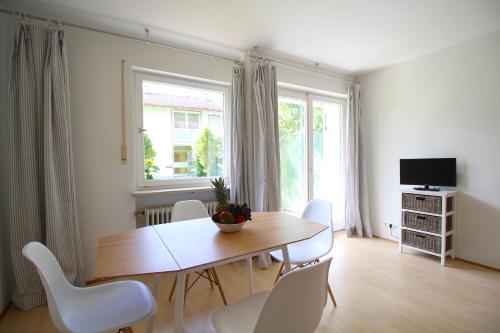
[331, 295]
[173, 289]
[217, 282]
[330, 292]
[186, 287]
[279, 272]
[209, 278]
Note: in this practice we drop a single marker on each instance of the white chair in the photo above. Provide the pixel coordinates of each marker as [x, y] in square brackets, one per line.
[190, 210]
[311, 250]
[294, 305]
[106, 307]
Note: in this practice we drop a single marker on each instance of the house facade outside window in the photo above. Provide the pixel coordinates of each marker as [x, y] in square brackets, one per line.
[181, 139]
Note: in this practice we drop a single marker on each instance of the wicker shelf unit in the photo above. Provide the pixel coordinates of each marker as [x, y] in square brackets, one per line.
[428, 222]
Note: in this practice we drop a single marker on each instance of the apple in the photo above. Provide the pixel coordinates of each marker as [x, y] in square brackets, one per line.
[216, 217]
[226, 218]
[240, 219]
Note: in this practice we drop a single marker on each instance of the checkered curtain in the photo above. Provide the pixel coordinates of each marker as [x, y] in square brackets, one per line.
[357, 216]
[266, 147]
[42, 203]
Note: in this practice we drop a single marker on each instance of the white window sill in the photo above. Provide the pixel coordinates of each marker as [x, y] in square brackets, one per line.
[151, 192]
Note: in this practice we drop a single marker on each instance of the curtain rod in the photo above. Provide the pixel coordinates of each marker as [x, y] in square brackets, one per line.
[40, 18]
[64, 23]
[306, 69]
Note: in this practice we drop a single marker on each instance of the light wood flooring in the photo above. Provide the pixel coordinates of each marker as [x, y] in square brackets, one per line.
[377, 290]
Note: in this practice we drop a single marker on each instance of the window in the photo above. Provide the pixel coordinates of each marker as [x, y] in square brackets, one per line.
[214, 122]
[310, 132]
[181, 137]
[187, 126]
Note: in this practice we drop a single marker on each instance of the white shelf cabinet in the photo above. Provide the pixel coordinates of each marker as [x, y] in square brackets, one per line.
[428, 222]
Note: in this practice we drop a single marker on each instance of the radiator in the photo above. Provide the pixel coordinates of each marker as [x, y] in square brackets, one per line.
[159, 215]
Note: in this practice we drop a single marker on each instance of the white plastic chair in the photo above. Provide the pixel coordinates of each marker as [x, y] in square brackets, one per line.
[105, 307]
[311, 250]
[294, 305]
[191, 210]
[188, 210]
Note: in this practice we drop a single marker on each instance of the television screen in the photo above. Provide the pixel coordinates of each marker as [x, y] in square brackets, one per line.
[428, 171]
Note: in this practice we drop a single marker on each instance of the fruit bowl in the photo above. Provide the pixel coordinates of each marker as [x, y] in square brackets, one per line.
[232, 218]
[224, 227]
[229, 217]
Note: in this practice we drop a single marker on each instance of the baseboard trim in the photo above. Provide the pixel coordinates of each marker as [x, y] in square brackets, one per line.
[5, 310]
[387, 239]
[478, 264]
[456, 258]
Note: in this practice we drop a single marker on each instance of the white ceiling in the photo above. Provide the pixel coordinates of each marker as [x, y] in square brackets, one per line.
[354, 35]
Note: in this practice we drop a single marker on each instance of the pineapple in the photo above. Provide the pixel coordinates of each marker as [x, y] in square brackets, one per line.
[221, 194]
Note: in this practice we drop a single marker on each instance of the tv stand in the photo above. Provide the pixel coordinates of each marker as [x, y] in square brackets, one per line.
[427, 188]
[428, 222]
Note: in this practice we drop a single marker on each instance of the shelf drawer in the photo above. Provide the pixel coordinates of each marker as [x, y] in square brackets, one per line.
[422, 203]
[424, 222]
[424, 241]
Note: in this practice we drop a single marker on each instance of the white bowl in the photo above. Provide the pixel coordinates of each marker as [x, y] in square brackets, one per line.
[230, 227]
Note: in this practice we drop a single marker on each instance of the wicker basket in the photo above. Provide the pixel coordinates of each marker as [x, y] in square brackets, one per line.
[422, 241]
[423, 222]
[422, 203]
[426, 242]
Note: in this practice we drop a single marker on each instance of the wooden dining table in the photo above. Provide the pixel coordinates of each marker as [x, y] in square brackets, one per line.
[194, 245]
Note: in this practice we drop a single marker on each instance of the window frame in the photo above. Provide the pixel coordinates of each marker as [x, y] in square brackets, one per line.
[309, 97]
[141, 75]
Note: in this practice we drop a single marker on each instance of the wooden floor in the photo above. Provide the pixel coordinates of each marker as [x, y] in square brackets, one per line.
[377, 290]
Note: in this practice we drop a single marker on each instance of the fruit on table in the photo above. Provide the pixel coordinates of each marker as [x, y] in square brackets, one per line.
[216, 217]
[226, 217]
[240, 219]
[221, 193]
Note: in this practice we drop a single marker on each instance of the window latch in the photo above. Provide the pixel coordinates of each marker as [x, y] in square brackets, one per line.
[142, 130]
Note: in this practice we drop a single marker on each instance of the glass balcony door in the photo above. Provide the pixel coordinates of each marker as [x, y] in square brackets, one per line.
[326, 152]
[310, 128]
[293, 152]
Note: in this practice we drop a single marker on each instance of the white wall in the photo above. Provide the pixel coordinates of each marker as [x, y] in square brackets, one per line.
[446, 104]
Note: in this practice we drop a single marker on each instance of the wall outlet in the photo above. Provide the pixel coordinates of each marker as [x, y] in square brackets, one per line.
[390, 225]
[392, 229]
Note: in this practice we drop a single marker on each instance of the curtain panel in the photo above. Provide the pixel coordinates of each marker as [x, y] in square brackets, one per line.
[255, 159]
[357, 219]
[239, 176]
[42, 203]
[266, 149]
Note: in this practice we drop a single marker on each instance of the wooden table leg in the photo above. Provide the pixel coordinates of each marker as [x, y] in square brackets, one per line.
[156, 287]
[250, 275]
[179, 302]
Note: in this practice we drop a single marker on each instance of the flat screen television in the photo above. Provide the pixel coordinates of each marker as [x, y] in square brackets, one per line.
[428, 172]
